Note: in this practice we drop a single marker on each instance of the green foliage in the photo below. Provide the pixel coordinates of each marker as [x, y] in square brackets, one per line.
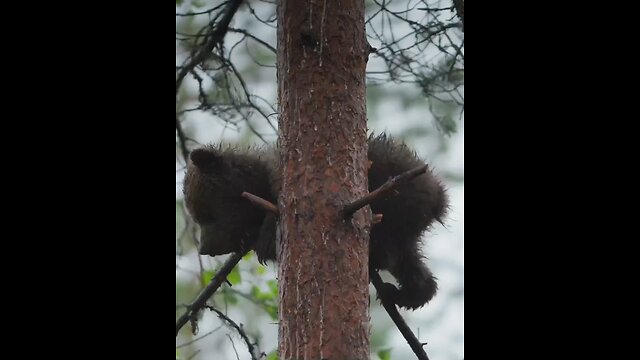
[273, 355]
[260, 270]
[267, 298]
[207, 276]
[234, 277]
[259, 295]
[273, 285]
[179, 2]
[272, 311]
[384, 354]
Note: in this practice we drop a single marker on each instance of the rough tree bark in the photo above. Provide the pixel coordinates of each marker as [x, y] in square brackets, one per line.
[323, 272]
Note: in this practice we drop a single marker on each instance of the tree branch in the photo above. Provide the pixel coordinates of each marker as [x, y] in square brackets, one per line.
[199, 338]
[246, 33]
[459, 5]
[391, 184]
[392, 310]
[238, 329]
[201, 300]
[201, 12]
[260, 202]
[182, 139]
[213, 38]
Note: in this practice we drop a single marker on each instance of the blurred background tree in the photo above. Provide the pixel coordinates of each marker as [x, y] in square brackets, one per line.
[226, 91]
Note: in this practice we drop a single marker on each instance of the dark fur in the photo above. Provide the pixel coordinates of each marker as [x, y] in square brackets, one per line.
[216, 177]
[214, 180]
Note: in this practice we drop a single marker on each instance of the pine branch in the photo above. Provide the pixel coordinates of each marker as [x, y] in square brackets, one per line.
[392, 310]
[391, 184]
[260, 202]
[201, 300]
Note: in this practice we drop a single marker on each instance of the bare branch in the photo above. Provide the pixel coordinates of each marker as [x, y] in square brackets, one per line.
[246, 33]
[239, 329]
[201, 300]
[268, 22]
[248, 96]
[213, 38]
[260, 202]
[182, 140]
[412, 41]
[198, 338]
[391, 184]
[392, 310]
[459, 5]
[194, 354]
[201, 12]
[261, 303]
[233, 345]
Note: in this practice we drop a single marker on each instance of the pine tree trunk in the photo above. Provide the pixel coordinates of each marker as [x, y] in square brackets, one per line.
[323, 259]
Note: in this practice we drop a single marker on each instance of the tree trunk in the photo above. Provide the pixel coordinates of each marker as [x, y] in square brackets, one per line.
[323, 272]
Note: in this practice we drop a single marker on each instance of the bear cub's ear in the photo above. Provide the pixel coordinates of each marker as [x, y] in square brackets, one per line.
[206, 159]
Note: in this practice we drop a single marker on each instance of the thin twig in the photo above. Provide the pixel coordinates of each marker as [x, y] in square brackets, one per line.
[194, 354]
[201, 300]
[459, 5]
[199, 338]
[260, 202]
[214, 38]
[392, 310]
[261, 303]
[182, 139]
[234, 346]
[239, 329]
[391, 184]
[201, 12]
[246, 33]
